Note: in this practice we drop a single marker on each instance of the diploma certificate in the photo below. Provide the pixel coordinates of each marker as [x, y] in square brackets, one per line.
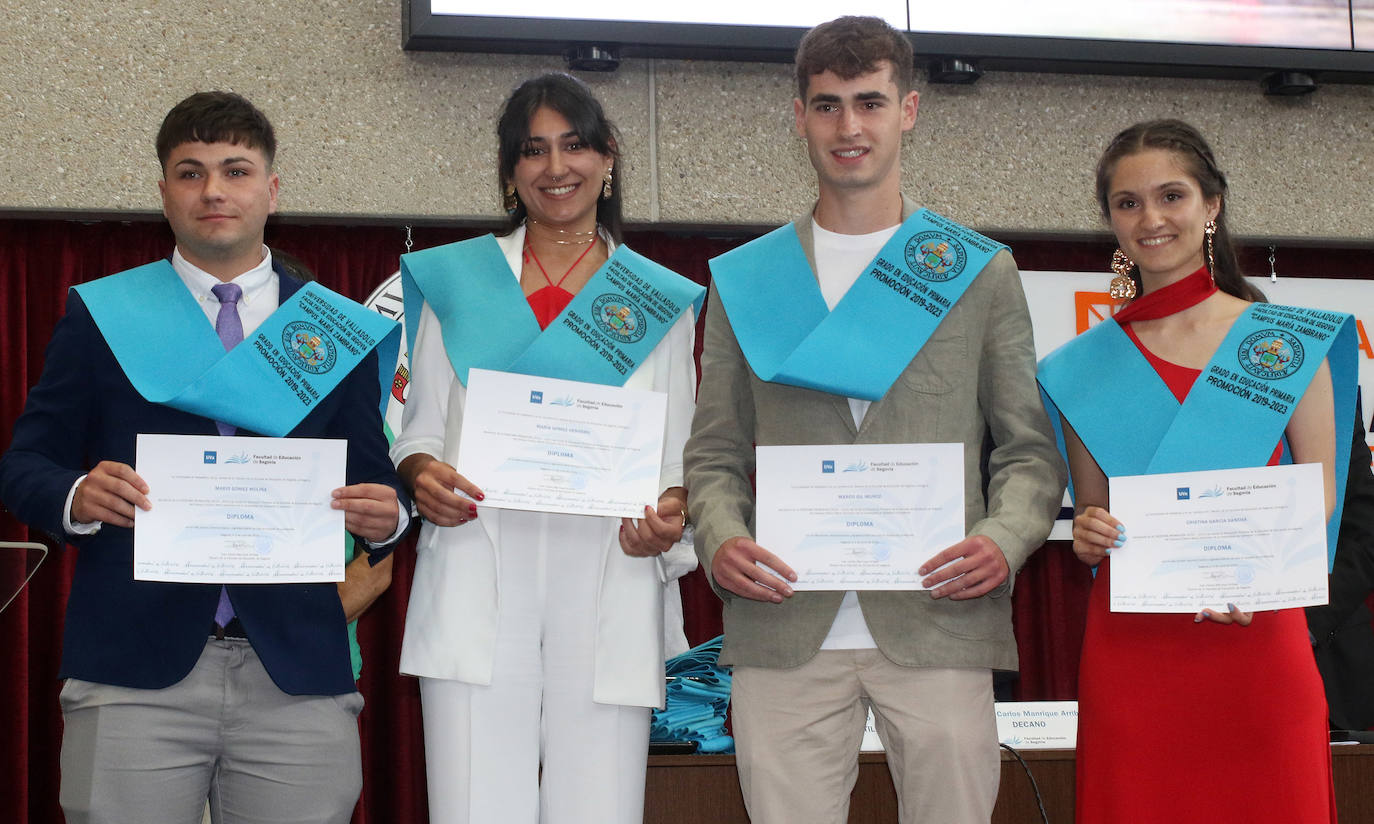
[859, 516]
[1255, 538]
[551, 445]
[230, 510]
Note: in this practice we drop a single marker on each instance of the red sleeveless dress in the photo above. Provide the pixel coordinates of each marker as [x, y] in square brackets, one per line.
[1185, 722]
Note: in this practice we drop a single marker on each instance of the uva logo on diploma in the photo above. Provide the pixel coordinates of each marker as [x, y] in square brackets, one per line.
[310, 347]
[935, 256]
[1271, 354]
[588, 449]
[253, 510]
[1252, 537]
[868, 519]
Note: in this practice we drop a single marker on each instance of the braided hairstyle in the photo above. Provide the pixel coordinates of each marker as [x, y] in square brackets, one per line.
[1194, 157]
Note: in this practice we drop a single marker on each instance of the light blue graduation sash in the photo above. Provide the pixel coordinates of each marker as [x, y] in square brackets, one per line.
[857, 350]
[602, 336]
[1234, 414]
[268, 383]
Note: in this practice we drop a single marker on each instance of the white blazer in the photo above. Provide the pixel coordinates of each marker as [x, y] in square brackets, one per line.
[451, 620]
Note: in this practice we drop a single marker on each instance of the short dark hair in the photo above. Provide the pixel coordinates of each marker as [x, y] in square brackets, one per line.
[851, 46]
[216, 117]
[571, 98]
[1195, 157]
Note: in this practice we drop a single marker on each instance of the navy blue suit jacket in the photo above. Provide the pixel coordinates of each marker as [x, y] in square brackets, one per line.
[147, 634]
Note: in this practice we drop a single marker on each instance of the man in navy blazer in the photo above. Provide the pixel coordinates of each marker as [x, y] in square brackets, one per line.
[163, 706]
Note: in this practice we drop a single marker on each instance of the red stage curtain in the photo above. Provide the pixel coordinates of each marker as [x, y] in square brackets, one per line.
[41, 258]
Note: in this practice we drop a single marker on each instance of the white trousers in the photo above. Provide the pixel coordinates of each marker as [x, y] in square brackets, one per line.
[533, 746]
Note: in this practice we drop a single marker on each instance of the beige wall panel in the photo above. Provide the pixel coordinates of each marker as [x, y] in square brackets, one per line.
[1016, 151]
[370, 131]
[365, 129]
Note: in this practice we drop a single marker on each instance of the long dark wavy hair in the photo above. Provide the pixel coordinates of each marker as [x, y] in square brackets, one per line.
[1196, 158]
[571, 98]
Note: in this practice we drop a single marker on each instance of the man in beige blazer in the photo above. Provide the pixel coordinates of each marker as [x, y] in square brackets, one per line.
[808, 664]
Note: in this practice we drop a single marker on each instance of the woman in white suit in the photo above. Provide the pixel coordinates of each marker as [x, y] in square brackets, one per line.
[538, 637]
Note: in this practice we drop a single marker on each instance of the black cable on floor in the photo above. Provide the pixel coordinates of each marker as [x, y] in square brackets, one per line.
[1035, 788]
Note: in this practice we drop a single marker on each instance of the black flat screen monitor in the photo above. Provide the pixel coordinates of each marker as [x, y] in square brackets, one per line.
[1333, 39]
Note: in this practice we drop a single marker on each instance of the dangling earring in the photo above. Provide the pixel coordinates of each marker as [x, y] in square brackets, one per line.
[510, 201]
[1122, 286]
[606, 190]
[1210, 228]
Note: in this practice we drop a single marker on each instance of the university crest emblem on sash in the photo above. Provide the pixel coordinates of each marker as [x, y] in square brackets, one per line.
[310, 347]
[619, 318]
[1271, 354]
[935, 256]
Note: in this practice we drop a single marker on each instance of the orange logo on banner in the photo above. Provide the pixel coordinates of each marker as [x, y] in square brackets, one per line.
[1090, 309]
[1363, 339]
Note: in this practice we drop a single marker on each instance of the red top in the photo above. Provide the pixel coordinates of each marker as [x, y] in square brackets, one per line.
[549, 301]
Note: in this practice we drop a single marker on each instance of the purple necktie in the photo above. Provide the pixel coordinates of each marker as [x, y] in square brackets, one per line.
[230, 329]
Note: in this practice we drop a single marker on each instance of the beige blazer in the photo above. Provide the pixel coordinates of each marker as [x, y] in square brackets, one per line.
[972, 383]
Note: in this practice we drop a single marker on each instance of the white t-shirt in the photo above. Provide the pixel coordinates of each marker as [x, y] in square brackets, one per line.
[840, 259]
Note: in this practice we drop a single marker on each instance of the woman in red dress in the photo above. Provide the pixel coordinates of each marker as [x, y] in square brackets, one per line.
[1218, 716]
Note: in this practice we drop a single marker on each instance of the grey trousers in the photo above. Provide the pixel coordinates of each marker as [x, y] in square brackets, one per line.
[225, 732]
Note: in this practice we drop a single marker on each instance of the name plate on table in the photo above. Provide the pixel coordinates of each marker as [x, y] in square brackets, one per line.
[859, 516]
[1037, 725]
[551, 445]
[232, 510]
[1255, 538]
[1022, 725]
